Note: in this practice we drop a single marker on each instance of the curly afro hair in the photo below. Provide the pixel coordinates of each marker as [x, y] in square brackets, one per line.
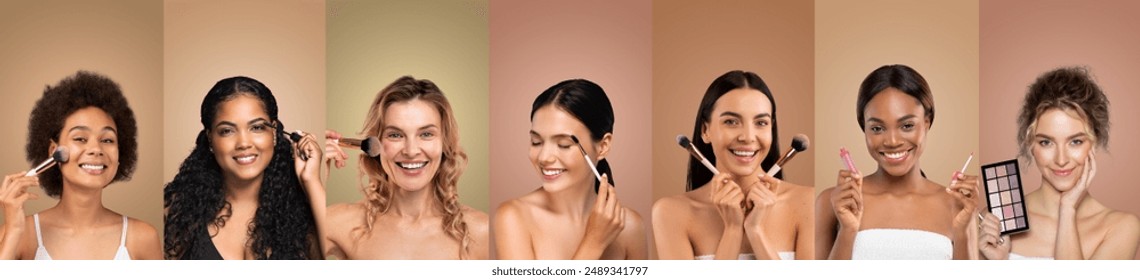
[82, 90]
[1066, 88]
[283, 226]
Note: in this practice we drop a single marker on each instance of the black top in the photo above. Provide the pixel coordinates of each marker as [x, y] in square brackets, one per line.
[203, 248]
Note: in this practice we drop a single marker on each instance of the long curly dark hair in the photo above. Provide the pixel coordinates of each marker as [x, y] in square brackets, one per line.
[283, 226]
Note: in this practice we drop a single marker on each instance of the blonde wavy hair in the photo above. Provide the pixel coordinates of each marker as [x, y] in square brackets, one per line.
[379, 189]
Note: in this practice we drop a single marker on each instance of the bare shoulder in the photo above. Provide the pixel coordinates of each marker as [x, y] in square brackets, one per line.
[476, 220]
[632, 218]
[140, 229]
[673, 205]
[345, 212]
[1123, 224]
[825, 195]
[343, 218]
[513, 211]
[142, 240]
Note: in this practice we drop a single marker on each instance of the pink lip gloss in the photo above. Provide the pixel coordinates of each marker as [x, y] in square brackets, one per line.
[846, 156]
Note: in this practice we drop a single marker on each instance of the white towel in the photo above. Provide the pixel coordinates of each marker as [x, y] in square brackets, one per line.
[1015, 256]
[750, 256]
[901, 244]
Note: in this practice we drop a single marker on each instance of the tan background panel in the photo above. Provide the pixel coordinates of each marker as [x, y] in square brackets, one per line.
[45, 41]
[939, 39]
[694, 42]
[279, 43]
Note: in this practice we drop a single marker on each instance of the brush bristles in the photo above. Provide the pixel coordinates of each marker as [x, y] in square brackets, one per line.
[61, 155]
[800, 142]
[683, 141]
[370, 146]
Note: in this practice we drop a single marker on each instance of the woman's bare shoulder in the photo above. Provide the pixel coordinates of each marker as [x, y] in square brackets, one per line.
[474, 217]
[1123, 223]
[515, 210]
[342, 214]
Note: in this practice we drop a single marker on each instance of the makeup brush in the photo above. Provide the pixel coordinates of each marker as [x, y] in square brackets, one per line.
[800, 143]
[59, 156]
[688, 146]
[588, 160]
[370, 145]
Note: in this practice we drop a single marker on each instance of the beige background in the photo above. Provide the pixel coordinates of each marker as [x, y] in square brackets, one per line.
[1023, 39]
[280, 43]
[939, 39]
[41, 42]
[371, 43]
[536, 44]
[694, 42]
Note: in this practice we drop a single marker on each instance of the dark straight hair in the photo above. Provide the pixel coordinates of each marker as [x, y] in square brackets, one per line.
[698, 174]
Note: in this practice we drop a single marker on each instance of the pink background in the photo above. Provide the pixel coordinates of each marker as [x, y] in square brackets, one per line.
[536, 44]
[1023, 39]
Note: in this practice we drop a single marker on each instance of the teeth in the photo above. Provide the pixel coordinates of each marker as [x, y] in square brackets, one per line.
[743, 153]
[409, 165]
[92, 166]
[897, 155]
[552, 172]
[246, 159]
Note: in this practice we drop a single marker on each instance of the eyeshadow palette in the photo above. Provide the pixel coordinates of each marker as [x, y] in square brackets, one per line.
[1005, 197]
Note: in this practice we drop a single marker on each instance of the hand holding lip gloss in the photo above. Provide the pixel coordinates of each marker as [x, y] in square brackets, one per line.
[959, 173]
[846, 157]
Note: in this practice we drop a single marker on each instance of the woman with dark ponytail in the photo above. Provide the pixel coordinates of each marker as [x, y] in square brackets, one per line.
[242, 193]
[552, 222]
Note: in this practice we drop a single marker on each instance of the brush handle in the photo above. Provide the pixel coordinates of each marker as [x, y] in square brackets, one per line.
[775, 169]
[41, 168]
[593, 167]
[710, 166]
[350, 142]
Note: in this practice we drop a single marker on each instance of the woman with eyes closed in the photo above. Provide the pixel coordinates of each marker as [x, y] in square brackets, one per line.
[572, 215]
[88, 115]
[242, 194]
[411, 206]
[1063, 120]
[741, 213]
[895, 212]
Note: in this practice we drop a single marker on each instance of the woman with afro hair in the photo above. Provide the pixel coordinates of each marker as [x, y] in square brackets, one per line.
[87, 116]
[242, 193]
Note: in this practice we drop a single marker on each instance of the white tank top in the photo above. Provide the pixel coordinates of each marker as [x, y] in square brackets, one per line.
[42, 253]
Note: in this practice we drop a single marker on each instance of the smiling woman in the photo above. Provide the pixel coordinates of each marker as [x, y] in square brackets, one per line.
[575, 213]
[874, 217]
[739, 212]
[1063, 120]
[411, 206]
[241, 194]
[86, 115]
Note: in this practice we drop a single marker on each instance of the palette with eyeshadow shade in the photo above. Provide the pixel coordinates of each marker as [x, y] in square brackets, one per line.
[1004, 195]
